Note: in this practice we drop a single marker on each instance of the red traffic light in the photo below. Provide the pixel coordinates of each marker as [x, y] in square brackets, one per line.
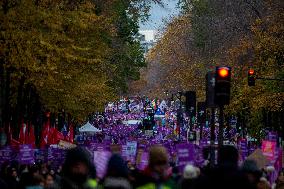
[223, 72]
[251, 72]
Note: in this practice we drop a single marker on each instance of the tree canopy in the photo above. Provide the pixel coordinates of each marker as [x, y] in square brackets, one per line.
[74, 55]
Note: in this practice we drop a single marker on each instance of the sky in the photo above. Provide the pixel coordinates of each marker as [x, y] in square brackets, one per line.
[157, 14]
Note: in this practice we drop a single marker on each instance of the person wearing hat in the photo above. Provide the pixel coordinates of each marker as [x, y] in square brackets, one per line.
[78, 170]
[156, 173]
[116, 174]
[190, 174]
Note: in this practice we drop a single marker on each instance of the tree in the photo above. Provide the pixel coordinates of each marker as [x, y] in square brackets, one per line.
[71, 55]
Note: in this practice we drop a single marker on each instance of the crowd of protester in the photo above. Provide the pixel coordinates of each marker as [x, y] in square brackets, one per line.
[79, 172]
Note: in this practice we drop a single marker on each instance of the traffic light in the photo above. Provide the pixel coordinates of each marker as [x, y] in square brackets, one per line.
[190, 102]
[222, 85]
[251, 77]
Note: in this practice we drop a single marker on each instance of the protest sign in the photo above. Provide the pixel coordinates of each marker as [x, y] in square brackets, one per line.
[131, 148]
[100, 160]
[268, 149]
[185, 153]
[26, 154]
[6, 154]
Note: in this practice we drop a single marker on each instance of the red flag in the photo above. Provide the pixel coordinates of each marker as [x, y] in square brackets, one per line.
[14, 142]
[45, 134]
[55, 136]
[59, 136]
[70, 134]
[31, 136]
[51, 136]
[22, 135]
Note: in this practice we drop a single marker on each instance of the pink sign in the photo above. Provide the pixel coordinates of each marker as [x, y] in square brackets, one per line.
[268, 149]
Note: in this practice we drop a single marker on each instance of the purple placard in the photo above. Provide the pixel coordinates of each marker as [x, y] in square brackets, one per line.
[5, 154]
[100, 160]
[40, 155]
[244, 148]
[58, 157]
[199, 160]
[185, 153]
[26, 154]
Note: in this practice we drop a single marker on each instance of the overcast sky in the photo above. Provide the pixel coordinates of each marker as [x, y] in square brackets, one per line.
[157, 14]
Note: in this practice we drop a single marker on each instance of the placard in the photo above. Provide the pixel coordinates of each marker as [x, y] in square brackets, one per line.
[6, 154]
[26, 154]
[268, 149]
[100, 160]
[185, 153]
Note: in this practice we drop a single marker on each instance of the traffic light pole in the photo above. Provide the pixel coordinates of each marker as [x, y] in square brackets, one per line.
[221, 126]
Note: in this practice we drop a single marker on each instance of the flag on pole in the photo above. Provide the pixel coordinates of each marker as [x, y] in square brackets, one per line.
[70, 134]
[31, 136]
[45, 134]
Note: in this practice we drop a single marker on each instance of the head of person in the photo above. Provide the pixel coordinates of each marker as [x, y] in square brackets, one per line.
[77, 166]
[49, 180]
[228, 156]
[117, 167]
[13, 172]
[252, 172]
[190, 172]
[158, 159]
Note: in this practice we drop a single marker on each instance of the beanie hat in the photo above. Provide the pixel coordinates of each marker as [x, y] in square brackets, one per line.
[117, 167]
[190, 172]
[158, 155]
[75, 155]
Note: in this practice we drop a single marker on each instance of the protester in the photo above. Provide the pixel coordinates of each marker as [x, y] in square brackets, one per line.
[50, 182]
[190, 174]
[37, 182]
[251, 171]
[226, 174]
[280, 181]
[155, 174]
[12, 178]
[163, 171]
[76, 170]
[117, 174]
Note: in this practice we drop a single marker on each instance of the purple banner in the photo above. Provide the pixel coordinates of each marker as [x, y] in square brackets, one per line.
[26, 154]
[185, 153]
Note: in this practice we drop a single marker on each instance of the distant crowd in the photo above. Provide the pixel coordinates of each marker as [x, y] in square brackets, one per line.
[79, 172]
